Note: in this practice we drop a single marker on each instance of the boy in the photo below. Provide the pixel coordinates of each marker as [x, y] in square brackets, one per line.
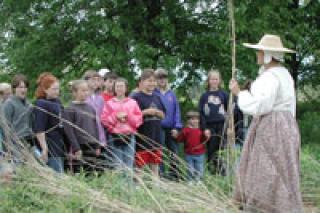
[148, 148]
[194, 146]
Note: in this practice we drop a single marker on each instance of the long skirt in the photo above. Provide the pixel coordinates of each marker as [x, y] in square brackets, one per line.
[268, 176]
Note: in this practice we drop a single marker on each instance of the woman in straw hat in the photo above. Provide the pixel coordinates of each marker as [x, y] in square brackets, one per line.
[268, 175]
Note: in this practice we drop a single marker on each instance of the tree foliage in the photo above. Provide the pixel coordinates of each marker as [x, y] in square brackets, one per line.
[187, 37]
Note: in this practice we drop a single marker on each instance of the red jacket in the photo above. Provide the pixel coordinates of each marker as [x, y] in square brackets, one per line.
[194, 141]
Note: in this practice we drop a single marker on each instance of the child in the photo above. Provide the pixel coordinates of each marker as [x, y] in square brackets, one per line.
[81, 128]
[122, 116]
[5, 92]
[213, 106]
[17, 111]
[194, 146]
[149, 147]
[109, 79]
[170, 124]
[96, 101]
[47, 122]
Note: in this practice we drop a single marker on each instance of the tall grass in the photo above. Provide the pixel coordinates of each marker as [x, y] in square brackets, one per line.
[36, 188]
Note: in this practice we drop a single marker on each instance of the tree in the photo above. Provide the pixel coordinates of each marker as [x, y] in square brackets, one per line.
[186, 37]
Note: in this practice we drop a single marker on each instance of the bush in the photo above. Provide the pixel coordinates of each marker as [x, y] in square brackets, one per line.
[309, 124]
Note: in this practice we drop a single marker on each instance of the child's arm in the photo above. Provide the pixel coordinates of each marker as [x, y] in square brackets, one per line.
[108, 117]
[69, 129]
[206, 136]
[135, 118]
[181, 137]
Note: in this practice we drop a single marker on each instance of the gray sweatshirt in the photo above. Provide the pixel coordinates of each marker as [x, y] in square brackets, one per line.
[18, 114]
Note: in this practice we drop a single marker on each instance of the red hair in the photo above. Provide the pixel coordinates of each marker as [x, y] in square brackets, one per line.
[44, 82]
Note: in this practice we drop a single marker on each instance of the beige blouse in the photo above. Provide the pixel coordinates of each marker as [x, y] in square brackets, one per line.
[273, 90]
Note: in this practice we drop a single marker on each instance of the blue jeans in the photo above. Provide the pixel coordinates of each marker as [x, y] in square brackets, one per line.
[124, 153]
[56, 163]
[195, 166]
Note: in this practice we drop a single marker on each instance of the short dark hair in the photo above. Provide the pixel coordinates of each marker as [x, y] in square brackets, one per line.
[17, 79]
[110, 75]
[147, 73]
[90, 74]
[193, 114]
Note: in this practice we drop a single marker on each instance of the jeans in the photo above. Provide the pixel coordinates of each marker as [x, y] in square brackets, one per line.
[124, 153]
[169, 142]
[195, 166]
[56, 163]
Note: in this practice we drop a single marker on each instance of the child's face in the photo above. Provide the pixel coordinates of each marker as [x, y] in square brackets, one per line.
[53, 91]
[214, 81]
[149, 84]
[120, 89]
[108, 84]
[82, 92]
[93, 83]
[100, 83]
[6, 93]
[194, 122]
[162, 82]
[21, 90]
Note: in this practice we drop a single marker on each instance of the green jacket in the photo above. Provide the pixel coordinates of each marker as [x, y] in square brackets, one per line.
[18, 114]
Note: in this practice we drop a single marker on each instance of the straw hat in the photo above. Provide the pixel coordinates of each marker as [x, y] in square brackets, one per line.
[270, 43]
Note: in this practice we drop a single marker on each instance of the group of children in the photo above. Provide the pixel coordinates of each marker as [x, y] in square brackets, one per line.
[107, 126]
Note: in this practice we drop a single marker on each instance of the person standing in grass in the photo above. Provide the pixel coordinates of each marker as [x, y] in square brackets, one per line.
[149, 148]
[107, 94]
[171, 124]
[268, 178]
[213, 107]
[81, 129]
[96, 101]
[17, 111]
[109, 79]
[194, 146]
[5, 92]
[48, 125]
[122, 116]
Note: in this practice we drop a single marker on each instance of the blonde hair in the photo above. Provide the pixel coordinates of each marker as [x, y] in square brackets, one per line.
[76, 84]
[210, 74]
[4, 86]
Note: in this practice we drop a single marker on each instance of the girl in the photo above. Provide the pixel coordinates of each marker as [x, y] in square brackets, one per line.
[213, 106]
[109, 79]
[47, 122]
[194, 147]
[122, 116]
[149, 147]
[81, 128]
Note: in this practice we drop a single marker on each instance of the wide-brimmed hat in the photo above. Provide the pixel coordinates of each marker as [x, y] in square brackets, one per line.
[270, 43]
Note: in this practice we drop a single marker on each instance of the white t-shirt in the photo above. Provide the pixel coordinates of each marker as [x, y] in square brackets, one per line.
[273, 90]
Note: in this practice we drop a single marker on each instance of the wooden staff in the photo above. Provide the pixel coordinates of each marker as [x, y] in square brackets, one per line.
[230, 121]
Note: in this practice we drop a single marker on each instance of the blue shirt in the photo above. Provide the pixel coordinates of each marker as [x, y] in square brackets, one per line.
[172, 119]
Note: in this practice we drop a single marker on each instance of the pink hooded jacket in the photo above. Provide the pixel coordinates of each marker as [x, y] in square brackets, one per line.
[127, 105]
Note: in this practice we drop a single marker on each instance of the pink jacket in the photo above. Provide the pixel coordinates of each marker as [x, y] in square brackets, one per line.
[127, 105]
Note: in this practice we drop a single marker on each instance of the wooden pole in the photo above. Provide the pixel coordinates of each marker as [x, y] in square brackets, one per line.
[231, 129]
